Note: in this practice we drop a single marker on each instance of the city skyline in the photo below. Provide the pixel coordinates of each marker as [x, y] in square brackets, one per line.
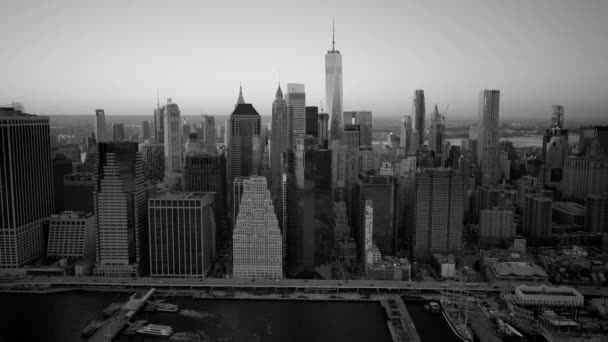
[537, 54]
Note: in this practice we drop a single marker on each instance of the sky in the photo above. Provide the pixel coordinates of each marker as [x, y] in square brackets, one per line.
[71, 57]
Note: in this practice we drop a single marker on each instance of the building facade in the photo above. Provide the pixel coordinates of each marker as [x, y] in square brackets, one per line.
[181, 234]
[173, 145]
[257, 241]
[78, 192]
[71, 234]
[101, 133]
[418, 109]
[487, 145]
[26, 185]
[153, 160]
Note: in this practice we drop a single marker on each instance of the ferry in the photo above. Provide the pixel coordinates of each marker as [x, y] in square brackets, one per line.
[167, 307]
[434, 307]
[157, 330]
[452, 315]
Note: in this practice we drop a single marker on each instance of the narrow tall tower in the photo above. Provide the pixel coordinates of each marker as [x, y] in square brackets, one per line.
[281, 142]
[173, 144]
[209, 132]
[100, 125]
[333, 89]
[487, 146]
[419, 110]
[296, 110]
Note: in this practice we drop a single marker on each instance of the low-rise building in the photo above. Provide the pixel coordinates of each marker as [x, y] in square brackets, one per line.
[71, 234]
[390, 268]
[445, 265]
[347, 250]
[569, 213]
[515, 272]
[548, 296]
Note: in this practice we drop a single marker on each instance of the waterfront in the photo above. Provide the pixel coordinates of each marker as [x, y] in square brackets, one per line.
[61, 317]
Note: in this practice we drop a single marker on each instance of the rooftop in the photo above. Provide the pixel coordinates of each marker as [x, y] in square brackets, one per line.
[245, 109]
[64, 215]
[170, 195]
[569, 207]
[520, 269]
[548, 290]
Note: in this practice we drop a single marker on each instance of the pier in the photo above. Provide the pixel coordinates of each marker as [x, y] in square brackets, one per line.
[121, 318]
[482, 326]
[400, 322]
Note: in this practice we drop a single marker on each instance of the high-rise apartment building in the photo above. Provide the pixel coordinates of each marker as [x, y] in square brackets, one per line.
[101, 133]
[437, 211]
[209, 131]
[487, 145]
[120, 210]
[596, 218]
[244, 145]
[181, 234]
[71, 234]
[257, 243]
[26, 185]
[78, 189]
[173, 145]
[118, 132]
[153, 159]
[381, 191]
[418, 110]
[333, 90]
[295, 99]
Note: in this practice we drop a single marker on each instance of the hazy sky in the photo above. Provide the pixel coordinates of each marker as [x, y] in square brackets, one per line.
[70, 57]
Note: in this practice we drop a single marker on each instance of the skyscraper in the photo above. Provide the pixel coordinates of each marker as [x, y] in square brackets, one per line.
[557, 118]
[280, 143]
[121, 213]
[333, 89]
[72, 234]
[296, 110]
[537, 211]
[145, 130]
[244, 145]
[381, 191]
[182, 234]
[405, 132]
[437, 212]
[26, 185]
[596, 218]
[100, 126]
[436, 137]
[351, 136]
[257, 242]
[583, 176]
[323, 129]
[487, 146]
[153, 159]
[203, 173]
[418, 110]
[118, 132]
[78, 189]
[173, 145]
[312, 121]
[159, 124]
[209, 131]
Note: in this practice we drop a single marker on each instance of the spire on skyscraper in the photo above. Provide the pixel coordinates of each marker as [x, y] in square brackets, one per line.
[241, 100]
[279, 94]
[333, 34]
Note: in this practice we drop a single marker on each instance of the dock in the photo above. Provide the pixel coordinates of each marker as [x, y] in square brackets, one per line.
[121, 318]
[399, 322]
[482, 326]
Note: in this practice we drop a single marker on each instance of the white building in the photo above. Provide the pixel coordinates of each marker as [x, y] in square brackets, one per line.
[542, 295]
[257, 241]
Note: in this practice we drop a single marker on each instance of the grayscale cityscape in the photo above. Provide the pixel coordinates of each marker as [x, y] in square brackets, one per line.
[400, 171]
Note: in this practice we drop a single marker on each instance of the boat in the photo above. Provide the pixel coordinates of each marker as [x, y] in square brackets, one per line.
[155, 329]
[452, 311]
[133, 327]
[167, 307]
[502, 328]
[435, 308]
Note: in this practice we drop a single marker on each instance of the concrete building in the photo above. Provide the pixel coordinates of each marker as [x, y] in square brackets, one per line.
[145, 130]
[153, 161]
[71, 235]
[295, 99]
[418, 109]
[363, 121]
[312, 121]
[118, 132]
[341, 228]
[181, 234]
[173, 145]
[487, 145]
[78, 190]
[437, 212]
[26, 185]
[257, 242]
[351, 136]
[386, 168]
[568, 213]
[496, 225]
[380, 190]
[101, 133]
[515, 273]
[120, 211]
[596, 216]
[333, 91]
[537, 216]
[209, 137]
[347, 250]
[405, 132]
[445, 265]
[390, 268]
[583, 176]
[244, 145]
